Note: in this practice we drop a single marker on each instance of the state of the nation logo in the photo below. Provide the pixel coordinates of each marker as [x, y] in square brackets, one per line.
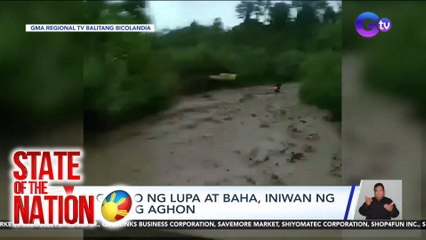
[116, 206]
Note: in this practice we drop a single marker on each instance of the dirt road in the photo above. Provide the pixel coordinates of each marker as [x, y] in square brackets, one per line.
[246, 136]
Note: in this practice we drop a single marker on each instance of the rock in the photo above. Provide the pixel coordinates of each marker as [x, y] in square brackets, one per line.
[227, 118]
[336, 165]
[327, 117]
[190, 126]
[336, 156]
[206, 95]
[254, 115]
[211, 119]
[275, 177]
[308, 148]
[291, 118]
[297, 156]
[276, 164]
[227, 170]
[295, 130]
[245, 98]
[250, 181]
[302, 121]
[264, 125]
[237, 152]
[283, 112]
[151, 138]
[313, 137]
[253, 153]
[258, 155]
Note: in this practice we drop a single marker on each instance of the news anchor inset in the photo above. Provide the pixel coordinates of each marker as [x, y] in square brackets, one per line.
[379, 206]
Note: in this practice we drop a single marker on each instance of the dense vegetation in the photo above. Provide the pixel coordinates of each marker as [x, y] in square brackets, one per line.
[132, 75]
[123, 76]
[40, 73]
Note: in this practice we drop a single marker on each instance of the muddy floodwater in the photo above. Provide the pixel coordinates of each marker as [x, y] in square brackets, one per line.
[248, 136]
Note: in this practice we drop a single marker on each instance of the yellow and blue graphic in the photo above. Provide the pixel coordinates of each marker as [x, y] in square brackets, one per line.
[116, 206]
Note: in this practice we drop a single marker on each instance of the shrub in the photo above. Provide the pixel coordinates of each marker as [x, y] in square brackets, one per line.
[322, 84]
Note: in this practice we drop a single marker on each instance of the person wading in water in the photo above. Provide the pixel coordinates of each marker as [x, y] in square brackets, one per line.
[277, 88]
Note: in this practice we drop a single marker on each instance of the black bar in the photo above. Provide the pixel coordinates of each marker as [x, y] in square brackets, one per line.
[258, 224]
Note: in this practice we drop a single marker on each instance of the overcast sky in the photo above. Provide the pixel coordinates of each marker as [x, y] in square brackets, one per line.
[175, 14]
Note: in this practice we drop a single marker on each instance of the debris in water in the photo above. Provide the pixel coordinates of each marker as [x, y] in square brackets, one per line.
[250, 180]
[313, 136]
[295, 130]
[206, 95]
[190, 126]
[327, 117]
[264, 125]
[308, 148]
[297, 156]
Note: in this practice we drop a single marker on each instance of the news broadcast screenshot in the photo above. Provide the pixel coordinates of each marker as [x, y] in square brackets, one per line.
[212, 120]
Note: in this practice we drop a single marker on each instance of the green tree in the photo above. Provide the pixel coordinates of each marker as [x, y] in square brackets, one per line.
[218, 24]
[245, 10]
[330, 16]
[279, 14]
